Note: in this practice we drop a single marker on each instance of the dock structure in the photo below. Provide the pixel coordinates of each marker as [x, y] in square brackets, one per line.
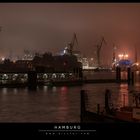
[18, 78]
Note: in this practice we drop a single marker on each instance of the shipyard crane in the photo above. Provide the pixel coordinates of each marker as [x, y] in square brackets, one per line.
[0, 28]
[114, 53]
[136, 58]
[72, 43]
[114, 57]
[98, 47]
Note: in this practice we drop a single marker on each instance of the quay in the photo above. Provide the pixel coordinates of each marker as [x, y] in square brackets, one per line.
[35, 78]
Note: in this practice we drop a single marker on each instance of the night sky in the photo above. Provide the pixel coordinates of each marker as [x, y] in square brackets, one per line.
[49, 27]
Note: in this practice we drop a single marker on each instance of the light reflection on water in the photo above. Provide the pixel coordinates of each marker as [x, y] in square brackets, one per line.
[56, 104]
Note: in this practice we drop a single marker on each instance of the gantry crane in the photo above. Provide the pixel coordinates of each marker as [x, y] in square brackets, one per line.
[114, 53]
[98, 51]
[114, 57]
[72, 43]
[136, 58]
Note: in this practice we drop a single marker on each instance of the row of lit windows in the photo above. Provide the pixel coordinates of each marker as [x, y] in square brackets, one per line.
[25, 76]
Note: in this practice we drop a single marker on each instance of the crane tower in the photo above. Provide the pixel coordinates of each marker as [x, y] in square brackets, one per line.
[72, 43]
[98, 47]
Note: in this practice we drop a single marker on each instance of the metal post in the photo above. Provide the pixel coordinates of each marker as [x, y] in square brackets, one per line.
[83, 107]
[136, 100]
[128, 76]
[123, 100]
[107, 94]
[118, 74]
[132, 78]
[98, 108]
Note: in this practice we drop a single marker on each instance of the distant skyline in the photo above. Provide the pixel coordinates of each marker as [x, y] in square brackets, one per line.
[50, 26]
